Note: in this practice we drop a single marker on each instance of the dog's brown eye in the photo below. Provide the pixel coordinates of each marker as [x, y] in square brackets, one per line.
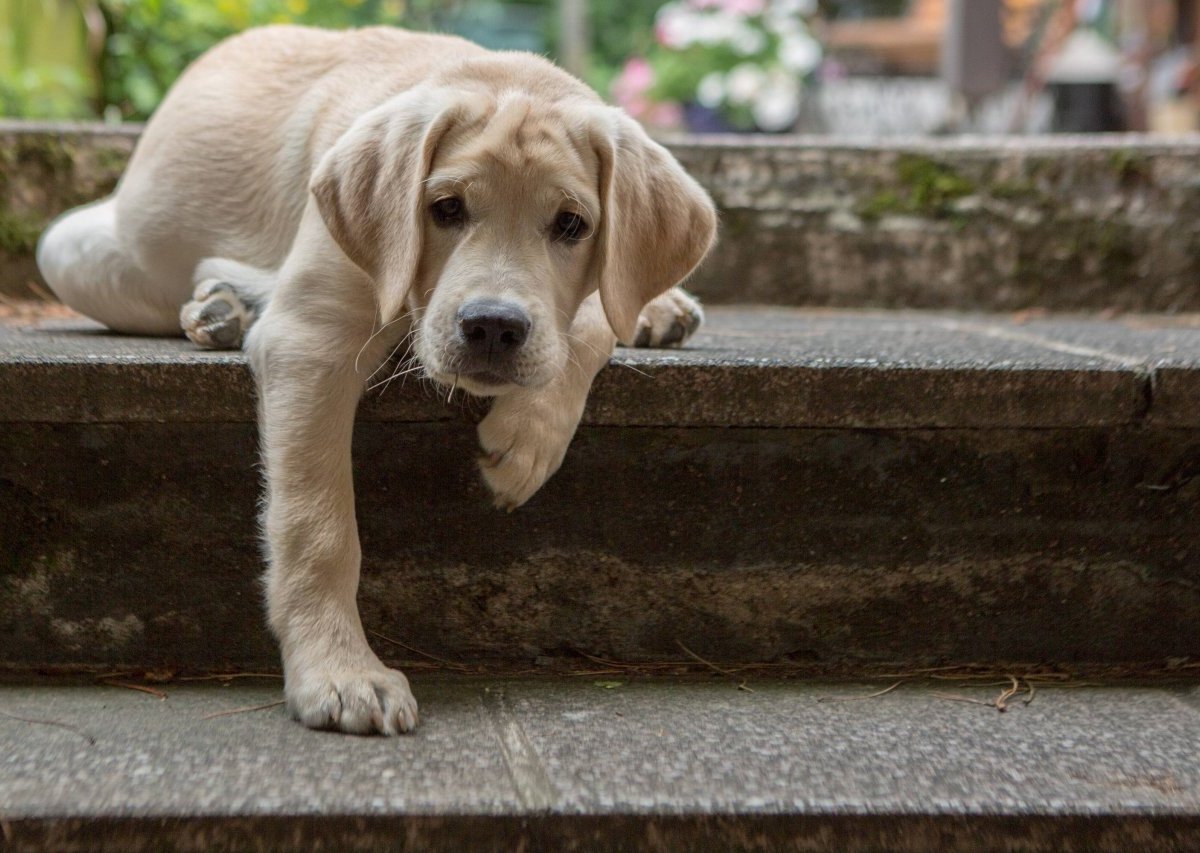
[569, 226]
[449, 211]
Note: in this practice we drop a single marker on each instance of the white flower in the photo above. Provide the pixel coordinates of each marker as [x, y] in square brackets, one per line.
[742, 8]
[747, 41]
[787, 16]
[744, 83]
[716, 28]
[777, 105]
[794, 7]
[711, 90]
[709, 28]
[783, 25]
[677, 26]
[800, 53]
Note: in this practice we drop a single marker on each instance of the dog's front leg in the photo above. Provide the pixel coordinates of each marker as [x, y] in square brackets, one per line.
[309, 388]
[526, 434]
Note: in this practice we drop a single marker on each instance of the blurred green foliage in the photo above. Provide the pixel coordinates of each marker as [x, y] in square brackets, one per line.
[619, 29]
[43, 67]
[116, 58]
[150, 42]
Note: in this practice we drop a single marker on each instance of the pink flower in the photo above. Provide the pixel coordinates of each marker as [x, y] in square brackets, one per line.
[638, 74]
[744, 7]
[667, 115]
[630, 87]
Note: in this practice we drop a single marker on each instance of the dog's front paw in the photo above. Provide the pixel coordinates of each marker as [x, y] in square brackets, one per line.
[217, 317]
[524, 439]
[669, 319]
[361, 700]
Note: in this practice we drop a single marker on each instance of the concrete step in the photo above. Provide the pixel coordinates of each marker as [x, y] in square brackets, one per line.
[829, 490]
[608, 764]
[1085, 223]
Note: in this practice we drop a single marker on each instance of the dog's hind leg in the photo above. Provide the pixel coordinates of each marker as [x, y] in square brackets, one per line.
[228, 298]
[83, 260]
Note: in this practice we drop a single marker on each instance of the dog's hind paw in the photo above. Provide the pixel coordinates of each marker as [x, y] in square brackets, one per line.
[217, 317]
[669, 320]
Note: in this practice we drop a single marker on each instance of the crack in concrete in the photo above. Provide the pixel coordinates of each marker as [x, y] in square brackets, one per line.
[1145, 372]
[529, 776]
[1187, 696]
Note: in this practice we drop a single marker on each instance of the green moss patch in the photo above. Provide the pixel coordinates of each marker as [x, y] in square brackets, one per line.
[18, 234]
[924, 187]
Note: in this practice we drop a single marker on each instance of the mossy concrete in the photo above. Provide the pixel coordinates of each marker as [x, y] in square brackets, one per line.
[833, 491]
[1001, 224]
[45, 170]
[1086, 223]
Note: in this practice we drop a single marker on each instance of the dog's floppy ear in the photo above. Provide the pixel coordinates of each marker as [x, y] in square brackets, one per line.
[656, 223]
[368, 188]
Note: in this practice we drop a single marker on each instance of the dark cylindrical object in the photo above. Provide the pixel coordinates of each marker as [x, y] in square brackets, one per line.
[1086, 108]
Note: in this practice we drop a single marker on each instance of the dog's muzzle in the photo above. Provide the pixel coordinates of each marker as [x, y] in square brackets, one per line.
[491, 333]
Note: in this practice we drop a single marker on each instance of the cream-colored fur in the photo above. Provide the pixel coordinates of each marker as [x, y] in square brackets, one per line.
[288, 191]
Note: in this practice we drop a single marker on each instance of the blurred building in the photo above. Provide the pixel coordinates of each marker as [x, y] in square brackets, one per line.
[911, 42]
[1138, 59]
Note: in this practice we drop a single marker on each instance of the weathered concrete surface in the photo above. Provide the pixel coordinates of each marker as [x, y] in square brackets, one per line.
[901, 527]
[982, 224]
[747, 367]
[136, 544]
[45, 170]
[985, 224]
[606, 766]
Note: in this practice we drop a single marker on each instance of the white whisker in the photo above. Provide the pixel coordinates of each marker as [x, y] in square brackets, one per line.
[627, 366]
[392, 354]
[376, 333]
[401, 370]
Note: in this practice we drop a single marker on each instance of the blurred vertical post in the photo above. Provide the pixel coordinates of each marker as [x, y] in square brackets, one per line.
[573, 35]
[975, 60]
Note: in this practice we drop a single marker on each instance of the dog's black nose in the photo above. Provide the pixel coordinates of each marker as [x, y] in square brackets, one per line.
[492, 327]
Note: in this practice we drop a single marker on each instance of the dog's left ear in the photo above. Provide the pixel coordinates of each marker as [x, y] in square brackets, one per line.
[369, 187]
[657, 223]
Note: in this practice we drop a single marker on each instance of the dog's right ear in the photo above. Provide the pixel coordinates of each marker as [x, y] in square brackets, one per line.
[369, 188]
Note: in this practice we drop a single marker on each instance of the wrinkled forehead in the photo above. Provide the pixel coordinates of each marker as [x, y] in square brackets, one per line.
[520, 148]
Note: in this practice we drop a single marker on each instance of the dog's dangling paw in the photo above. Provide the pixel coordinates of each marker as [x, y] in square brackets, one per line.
[669, 320]
[216, 318]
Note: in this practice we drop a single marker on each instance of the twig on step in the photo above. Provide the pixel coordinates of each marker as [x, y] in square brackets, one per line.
[950, 697]
[245, 710]
[415, 651]
[1009, 692]
[91, 740]
[139, 687]
[874, 695]
[707, 663]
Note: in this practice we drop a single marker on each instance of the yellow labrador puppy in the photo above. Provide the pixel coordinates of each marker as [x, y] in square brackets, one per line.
[323, 197]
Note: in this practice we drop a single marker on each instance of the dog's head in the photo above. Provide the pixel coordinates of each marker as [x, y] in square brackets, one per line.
[492, 202]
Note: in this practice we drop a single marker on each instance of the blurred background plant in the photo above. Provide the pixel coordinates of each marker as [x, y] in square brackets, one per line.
[885, 67]
[116, 58]
[723, 65]
[43, 60]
